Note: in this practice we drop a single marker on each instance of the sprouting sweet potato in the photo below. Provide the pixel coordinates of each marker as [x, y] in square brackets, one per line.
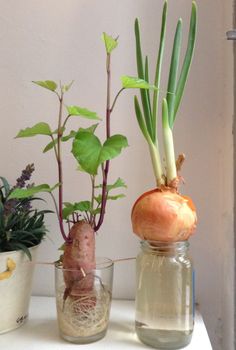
[79, 259]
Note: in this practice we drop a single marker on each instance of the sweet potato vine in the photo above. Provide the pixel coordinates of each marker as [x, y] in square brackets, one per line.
[93, 156]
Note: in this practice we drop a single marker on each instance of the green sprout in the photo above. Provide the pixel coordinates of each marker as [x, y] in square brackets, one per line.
[147, 116]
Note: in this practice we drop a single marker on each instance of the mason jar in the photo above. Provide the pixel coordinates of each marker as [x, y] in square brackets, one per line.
[164, 294]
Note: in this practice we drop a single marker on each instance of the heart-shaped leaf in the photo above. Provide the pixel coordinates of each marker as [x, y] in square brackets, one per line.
[112, 147]
[90, 153]
[86, 149]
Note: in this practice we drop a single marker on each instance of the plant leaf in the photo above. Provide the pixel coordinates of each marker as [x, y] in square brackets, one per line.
[83, 206]
[172, 83]
[21, 246]
[140, 119]
[91, 128]
[49, 146]
[135, 83]
[113, 198]
[141, 75]
[82, 112]
[86, 149]
[159, 65]
[71, 208]
[69, 136]
[5, 185]
[67, 87]
[112, 147]
[47, 84]
[67, 211]
[19, 193]
[188, 58]
[117, 184]
[110, 43]
[38, 129]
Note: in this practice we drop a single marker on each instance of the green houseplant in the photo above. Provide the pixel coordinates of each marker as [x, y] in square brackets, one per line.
[84, 285]
[163, 218]
[22, 229]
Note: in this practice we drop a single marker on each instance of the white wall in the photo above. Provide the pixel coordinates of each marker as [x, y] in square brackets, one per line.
[49, 39]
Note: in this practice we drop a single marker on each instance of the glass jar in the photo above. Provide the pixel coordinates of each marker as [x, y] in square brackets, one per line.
[83, 306]
[164, 295]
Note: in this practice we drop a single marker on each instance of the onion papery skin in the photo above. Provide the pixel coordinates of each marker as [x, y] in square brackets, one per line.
[164, 215]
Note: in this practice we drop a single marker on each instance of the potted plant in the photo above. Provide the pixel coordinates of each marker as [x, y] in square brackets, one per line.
[83, 284]
[163, 218]
[22, 229]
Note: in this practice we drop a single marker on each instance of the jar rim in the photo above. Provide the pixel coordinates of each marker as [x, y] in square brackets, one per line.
[164, 247]
[102, 263]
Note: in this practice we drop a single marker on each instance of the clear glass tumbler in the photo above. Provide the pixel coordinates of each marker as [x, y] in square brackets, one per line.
[83, 306]
[164, 295]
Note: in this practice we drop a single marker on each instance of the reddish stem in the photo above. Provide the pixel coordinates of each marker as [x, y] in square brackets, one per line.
[108, 134]
[60, 174]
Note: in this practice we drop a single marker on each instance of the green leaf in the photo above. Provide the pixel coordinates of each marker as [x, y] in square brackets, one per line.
[82, 112]
[67, 87]
[86, 149]
[159, 65]
[49, 146]
[135, 83]
[90, 153]
[37, 129]
[5, 185]
[67, 211]
[117, 184]
[47, 84]
[65, 138]
[95, 211]
[172, 83]
[141, 75]
[113, 198]
[19, 193]
[91, 128]
[21, 246]
[110, 43]
[83, 206]
[71, 135]
[112, 147]
[188, 58]
[140, 119]
[71, 208]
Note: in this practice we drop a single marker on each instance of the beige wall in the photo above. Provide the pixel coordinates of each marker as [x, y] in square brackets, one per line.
[61, 40]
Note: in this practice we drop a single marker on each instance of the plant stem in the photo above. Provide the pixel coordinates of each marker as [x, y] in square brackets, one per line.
[55, 204]
[92, 199]
[66, 120]
[115, 99]
[108, 134]
[156, 163]
[60, 174]
[171, 172]
[54, 147]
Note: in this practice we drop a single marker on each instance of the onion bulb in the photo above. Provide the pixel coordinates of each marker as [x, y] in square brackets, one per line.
[163, 215]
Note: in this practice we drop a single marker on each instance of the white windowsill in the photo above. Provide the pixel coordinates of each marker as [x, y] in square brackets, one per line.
[41, 333]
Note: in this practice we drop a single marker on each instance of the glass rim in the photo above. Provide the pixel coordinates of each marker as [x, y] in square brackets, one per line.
[162, 246]
[102, 263]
